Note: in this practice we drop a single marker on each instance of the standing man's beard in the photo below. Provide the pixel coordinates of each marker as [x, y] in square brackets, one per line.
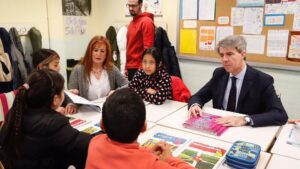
[132, 13]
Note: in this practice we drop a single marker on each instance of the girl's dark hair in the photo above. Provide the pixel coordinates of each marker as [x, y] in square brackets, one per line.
[156, 55]
[41, 55]
[38, 92]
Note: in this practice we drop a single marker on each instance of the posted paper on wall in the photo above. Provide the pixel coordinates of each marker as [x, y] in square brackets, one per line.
[277, 43]
[253, 21]
[223, 32]
[250, 3]
[237, 16]
[255, 44]
[280, 8]
[188, 41]
[207, 10]
[75, 25]
[189, 9]
[207, 38]
[296, 23]
[294, 48]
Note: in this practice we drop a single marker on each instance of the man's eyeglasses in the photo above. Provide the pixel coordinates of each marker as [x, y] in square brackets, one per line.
[132, 5]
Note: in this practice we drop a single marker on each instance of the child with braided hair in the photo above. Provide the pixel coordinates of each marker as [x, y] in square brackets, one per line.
[34, 134]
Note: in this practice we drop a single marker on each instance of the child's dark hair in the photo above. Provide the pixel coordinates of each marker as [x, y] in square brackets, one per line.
[156, 55]
[43, 56]
[38, 92]
[123, 115]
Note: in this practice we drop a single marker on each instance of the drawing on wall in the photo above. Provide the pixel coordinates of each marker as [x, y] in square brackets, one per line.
[294, 45]
[76, 7]
[75, 25]
[152, 6]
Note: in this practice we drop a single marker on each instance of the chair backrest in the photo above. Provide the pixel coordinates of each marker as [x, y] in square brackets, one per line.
[6, 101]
[180, 91]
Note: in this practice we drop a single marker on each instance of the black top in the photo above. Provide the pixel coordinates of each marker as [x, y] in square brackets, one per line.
[50, 141]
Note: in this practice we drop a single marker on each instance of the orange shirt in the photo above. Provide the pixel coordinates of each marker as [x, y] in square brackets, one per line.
[107, 154]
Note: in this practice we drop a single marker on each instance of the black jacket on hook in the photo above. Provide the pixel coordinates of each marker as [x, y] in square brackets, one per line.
[170, 60]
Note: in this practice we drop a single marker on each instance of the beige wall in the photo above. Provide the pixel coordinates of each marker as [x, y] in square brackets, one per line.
[113, 12]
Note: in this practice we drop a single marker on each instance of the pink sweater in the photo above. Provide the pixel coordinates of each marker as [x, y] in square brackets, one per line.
[107, 154]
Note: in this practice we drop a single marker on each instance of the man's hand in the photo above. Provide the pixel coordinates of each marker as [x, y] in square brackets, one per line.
[151, 91]
[232, 121]
[195, 110]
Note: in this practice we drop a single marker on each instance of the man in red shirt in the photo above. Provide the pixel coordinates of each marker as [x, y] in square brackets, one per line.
[140, 36]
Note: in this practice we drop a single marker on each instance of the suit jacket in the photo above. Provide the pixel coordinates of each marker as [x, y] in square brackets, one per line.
[257, 98]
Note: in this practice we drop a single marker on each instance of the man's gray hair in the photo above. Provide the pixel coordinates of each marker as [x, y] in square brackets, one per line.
[234, 41]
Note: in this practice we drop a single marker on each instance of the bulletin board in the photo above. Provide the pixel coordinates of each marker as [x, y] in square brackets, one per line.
[223, 8]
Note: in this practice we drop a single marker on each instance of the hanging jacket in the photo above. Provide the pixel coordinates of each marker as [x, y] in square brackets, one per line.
[122, 41]
[16, 41]
[170, 60]
[22, 68]
[111, 35]
[180, 92]
[35, 38]
[4, 36]
[5, 66]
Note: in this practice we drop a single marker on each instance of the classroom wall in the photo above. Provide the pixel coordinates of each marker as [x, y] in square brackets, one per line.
[46, 15]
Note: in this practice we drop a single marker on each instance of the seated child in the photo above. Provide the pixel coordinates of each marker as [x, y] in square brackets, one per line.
[34, 135]
[123, 118]
[152, 82]
[49, 59]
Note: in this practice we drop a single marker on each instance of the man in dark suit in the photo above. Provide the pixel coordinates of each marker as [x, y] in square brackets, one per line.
[238, 87]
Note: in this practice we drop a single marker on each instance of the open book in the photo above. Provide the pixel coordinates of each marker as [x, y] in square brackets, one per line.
[82, 101]
[197, 154]
[205, 123]
[294, 135]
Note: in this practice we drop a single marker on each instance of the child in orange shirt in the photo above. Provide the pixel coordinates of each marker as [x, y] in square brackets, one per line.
[123, 118]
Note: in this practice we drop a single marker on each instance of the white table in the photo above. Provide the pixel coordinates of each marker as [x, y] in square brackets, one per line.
[264, 157]
[92, 117]
[157, 112]
[262, 136]
[281, 162]
[282, 148]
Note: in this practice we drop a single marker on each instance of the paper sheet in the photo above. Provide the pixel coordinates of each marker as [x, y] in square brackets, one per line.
[250, 3]
[280, 8]
[277, 43]
[222, 32]
[207, 9]
[80, 100]
[207, 38]
[253, 21]
[255, 43]
[294, 48]
[296, 22]
[190, 24]
[237, 16]
[189, 9]
[188, 41]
